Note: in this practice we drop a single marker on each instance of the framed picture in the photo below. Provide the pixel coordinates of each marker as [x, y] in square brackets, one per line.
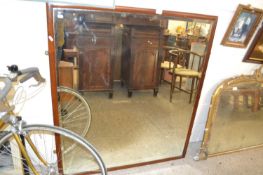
[255, 50]
[242, 26]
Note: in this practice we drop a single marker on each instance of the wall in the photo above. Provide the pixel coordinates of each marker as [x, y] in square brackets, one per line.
[24, 41]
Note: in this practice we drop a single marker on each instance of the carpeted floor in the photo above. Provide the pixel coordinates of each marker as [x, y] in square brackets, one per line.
[247, 162]
[138, 129]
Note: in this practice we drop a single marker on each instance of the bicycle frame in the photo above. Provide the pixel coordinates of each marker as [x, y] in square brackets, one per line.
[2, 125]
[21, 145]
[8, 118]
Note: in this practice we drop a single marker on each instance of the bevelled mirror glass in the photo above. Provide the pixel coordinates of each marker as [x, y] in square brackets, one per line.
[235, 118]
[115, 61]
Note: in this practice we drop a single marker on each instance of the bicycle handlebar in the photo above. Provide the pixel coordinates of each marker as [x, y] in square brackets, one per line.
[31, 72]
[26, 75]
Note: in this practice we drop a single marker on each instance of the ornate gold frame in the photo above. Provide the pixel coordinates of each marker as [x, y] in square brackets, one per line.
[256, 77]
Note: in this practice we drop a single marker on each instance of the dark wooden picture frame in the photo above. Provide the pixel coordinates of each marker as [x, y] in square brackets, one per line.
[242, 26]
[255, 50]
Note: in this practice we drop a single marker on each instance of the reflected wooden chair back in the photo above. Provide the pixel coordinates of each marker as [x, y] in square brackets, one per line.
[167, 62]
[189, 71]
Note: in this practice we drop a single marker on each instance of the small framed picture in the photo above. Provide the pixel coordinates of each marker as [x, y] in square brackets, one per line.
[255, 50]
[242, 26]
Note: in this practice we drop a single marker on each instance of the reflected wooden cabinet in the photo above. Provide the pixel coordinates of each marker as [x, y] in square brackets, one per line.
[65, 75]
[96, 58]
[96, 36]
[140, 59]
[68, 69]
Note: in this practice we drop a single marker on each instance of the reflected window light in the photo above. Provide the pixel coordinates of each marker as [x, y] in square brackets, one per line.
[60, 15]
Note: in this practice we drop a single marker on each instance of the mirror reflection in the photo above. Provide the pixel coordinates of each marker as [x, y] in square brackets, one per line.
[236, 116]
[126, 66]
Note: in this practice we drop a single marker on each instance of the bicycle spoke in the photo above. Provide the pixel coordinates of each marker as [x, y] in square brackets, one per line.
[73, 109]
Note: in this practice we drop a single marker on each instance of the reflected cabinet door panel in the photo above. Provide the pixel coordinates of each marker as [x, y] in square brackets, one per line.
[141, 58]
[95, 62]
[95, 68]
[144, 65]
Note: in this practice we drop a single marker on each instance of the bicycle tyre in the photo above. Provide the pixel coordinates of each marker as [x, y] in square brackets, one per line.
[52, 152]
[74, 111]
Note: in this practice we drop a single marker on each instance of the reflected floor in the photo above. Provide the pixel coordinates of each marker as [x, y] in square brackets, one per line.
[138, 129]
[236, 127]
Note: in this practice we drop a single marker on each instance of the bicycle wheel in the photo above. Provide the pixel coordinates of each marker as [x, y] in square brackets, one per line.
[74, 111]
[50, 142]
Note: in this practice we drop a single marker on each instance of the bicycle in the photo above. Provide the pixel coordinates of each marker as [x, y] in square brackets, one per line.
[39, 149]
[74, 111]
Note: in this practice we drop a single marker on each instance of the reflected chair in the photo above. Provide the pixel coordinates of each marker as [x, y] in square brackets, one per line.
[167, 63]
[191, 70]
[183, 43]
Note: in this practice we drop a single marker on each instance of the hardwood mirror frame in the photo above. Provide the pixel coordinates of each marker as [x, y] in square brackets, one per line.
[52, 59]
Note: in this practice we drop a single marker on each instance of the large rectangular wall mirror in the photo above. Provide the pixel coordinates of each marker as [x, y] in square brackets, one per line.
[126, 63]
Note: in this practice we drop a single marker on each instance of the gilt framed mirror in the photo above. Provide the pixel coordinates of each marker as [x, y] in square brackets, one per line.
[235, 117]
